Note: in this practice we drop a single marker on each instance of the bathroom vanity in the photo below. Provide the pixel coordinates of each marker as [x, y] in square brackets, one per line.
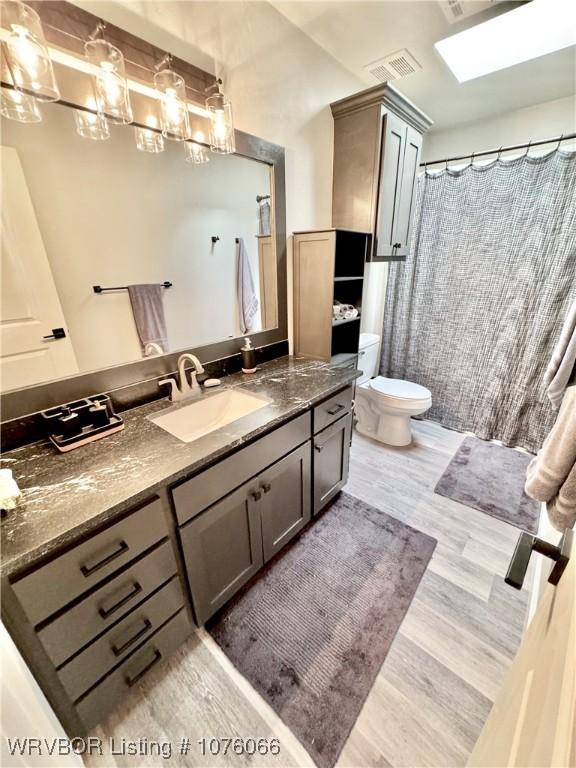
[116, 550]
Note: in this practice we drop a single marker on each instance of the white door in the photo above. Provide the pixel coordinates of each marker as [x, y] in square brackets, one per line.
[30, 309]
[533, 721]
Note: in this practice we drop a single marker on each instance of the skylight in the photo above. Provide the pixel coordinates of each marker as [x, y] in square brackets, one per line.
[533, 30]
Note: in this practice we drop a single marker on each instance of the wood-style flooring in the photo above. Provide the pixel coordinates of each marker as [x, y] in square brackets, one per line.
[436, 687]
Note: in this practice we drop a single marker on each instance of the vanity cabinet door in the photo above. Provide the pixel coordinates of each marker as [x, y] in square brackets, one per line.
[331, 458]
[285, 504]
[222, 549]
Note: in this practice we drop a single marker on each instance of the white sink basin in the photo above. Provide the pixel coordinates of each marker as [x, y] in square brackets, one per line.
[192, 421]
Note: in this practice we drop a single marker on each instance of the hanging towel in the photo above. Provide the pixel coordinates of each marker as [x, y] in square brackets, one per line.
[562, 365]
[264, 218]
[148, 310]
[551, 476]
[247, 300]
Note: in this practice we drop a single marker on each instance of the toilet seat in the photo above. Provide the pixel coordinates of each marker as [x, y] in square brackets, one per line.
[399, 393]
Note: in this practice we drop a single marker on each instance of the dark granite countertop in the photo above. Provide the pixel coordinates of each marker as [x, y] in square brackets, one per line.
[64, 496]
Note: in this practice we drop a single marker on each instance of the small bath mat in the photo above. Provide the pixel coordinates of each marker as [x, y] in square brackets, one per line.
[311, 632]
[490, 478]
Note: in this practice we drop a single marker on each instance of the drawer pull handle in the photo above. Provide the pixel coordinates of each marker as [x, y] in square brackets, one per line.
[336, 409]
[119, 650]
[130, 681]
[266, 487]
[91, 567]
[106, 611]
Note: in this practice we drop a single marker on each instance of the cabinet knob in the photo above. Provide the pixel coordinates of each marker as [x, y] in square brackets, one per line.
[266, 487]
[256, 495]
[318, 447]
[397, 245]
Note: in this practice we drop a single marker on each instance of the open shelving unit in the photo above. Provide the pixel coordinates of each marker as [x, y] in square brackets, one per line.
[328, 267]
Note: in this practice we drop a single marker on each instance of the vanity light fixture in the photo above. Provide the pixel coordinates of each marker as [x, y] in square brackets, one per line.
[16, 105]
[110, 84]
[91, 125]
[148, 140]
[27, 56]
[194, 151]
[173, 108]
[221, 121]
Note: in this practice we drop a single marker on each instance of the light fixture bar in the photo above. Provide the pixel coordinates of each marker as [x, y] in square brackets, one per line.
[533, 30]
[66, 59]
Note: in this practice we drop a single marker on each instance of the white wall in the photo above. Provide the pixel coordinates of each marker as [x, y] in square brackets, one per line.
[542, 121]
[111, 215]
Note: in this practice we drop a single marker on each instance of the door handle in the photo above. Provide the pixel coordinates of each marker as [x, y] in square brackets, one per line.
[57, 333]
[89, 568]
[107, 610]
[118, 650]
[130, 681]
[527, 544]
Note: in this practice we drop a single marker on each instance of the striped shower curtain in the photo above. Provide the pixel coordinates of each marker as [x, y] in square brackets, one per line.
[474, 311]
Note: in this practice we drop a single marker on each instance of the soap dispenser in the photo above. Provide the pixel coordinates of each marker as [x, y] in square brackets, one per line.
[248, 357]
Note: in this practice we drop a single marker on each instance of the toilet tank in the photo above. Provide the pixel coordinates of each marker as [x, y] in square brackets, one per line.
[368, 356]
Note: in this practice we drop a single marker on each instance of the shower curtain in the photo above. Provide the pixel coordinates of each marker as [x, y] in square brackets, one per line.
[474, 311]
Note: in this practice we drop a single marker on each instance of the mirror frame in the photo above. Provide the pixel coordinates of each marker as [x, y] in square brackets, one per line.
[19, 403]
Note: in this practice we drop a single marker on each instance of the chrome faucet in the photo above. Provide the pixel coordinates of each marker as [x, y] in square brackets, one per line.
[182, 390]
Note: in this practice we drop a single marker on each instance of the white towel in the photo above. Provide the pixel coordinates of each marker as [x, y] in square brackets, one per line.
[562, 365]
[247, 300]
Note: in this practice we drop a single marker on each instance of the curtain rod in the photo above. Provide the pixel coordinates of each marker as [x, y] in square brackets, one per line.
[498, 151]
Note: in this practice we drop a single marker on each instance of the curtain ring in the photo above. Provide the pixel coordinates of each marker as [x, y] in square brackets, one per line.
[528, 148]
[559, 142]
[472, 159]
[500, 152]
[446, 165]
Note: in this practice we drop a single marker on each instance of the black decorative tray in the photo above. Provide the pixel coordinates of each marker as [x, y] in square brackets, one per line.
[75, 424]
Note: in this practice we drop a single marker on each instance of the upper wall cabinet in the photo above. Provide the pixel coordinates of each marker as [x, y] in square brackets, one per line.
[377, 143]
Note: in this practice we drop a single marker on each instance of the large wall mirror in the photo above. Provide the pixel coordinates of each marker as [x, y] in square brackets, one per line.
[79, 213]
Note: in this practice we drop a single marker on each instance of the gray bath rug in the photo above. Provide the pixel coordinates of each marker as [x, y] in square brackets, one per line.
[491, 478]
[311, 632]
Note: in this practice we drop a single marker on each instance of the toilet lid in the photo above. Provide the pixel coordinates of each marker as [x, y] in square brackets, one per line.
[405, 390]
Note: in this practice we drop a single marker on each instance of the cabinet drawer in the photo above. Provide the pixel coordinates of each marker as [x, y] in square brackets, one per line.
[51, 587]
[203, 490]
[85, 669]
[96, 704]
[113, 600]
[333, 408]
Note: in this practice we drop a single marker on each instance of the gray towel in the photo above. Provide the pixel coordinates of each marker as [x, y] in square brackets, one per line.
[148, 311]
[247, 300]
[562, 366]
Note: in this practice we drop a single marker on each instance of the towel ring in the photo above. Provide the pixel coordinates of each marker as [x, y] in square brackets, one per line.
[528, 148]
[559, 142]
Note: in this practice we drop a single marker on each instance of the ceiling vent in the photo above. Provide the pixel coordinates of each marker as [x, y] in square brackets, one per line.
[394, 66]
[456, 10]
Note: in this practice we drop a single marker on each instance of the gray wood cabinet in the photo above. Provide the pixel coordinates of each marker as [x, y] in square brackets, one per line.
[285, 506]
[377, 143]
[331, 459]
[223, 549]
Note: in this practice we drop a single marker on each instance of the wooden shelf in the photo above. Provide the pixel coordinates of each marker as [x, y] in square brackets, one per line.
[343, 279]
[335, 323]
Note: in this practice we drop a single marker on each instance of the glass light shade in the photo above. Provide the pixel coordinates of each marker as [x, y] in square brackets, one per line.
[27, 54]
[149, 141]
[221, 125]
[19, 106]
[173, 107]
[195, 153]
[91, 125]
[110, 84]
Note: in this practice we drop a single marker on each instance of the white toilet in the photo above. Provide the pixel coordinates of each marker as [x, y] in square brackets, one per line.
[384, 406]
